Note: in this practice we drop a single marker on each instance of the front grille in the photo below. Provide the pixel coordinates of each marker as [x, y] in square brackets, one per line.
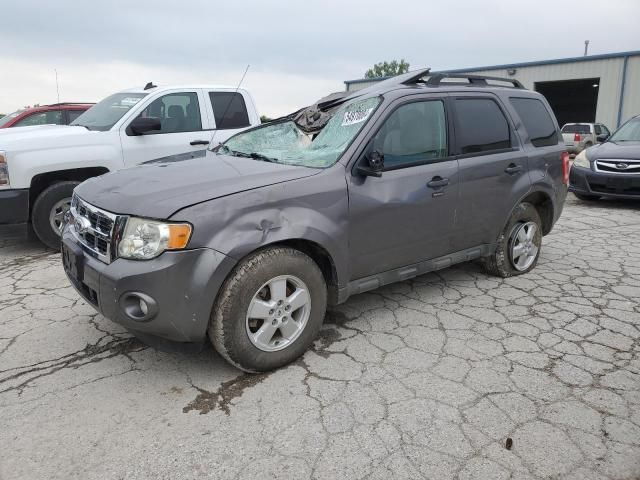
[621, 166]
[93, 228]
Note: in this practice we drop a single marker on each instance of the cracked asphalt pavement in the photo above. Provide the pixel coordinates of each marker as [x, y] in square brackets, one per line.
[454, 374]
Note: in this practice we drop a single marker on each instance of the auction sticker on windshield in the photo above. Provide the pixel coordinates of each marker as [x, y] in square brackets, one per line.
[355, 116]
[130, 101]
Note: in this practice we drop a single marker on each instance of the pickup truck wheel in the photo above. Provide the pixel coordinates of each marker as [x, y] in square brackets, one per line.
[49, 210]
[269, 310]
[519, 245]
[586, 198]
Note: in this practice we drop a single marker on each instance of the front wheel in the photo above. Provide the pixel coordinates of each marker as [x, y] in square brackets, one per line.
[269, 310]
[519, 245]
[49, 210]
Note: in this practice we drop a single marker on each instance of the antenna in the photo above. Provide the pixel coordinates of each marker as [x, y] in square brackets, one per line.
[57, 87]
[586, 47]
[228, 105]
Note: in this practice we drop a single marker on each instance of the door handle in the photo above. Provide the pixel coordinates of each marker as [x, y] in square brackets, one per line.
[199, 142]
[512, 169]
[438, 182]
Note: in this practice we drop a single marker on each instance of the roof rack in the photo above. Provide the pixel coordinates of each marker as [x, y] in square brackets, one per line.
[481, 80]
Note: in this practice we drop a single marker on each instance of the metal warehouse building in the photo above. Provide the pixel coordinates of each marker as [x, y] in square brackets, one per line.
[595, 88]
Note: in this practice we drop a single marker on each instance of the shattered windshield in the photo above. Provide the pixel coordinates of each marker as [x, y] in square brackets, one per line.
[285, 143]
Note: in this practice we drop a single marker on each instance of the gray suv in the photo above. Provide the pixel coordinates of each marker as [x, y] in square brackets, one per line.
[249, 242]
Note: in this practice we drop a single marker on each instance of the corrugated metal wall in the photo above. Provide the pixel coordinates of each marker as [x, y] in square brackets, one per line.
[608, 70]
[631, 103]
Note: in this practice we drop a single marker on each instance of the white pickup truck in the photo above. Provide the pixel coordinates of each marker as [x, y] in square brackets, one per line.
[40, 166]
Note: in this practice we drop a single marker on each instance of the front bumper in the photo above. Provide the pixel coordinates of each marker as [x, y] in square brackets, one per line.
[613, 185]
[180, 289]
[14, 206]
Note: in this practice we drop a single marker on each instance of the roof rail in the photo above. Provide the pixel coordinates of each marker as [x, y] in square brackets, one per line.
[436, 79]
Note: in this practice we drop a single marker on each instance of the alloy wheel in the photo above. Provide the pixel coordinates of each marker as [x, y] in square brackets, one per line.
[278, 313]
[524, 250]
[57, 213]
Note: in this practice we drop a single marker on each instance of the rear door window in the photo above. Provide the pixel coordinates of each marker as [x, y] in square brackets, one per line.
[229, 110]
[480, 126]
[73, 114]
[537, 121]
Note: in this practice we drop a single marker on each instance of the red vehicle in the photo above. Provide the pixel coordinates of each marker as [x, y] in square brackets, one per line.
[55, 114]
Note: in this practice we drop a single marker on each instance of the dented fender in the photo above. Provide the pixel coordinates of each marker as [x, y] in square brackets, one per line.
[314, 209]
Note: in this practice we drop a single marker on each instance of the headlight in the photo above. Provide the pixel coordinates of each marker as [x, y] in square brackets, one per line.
[4, 170]
[581, 160]
[145, 239]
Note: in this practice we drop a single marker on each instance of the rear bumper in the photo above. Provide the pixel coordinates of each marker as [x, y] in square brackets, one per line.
[179, 287]
[612, 185]
[574, 148]
[14, 206]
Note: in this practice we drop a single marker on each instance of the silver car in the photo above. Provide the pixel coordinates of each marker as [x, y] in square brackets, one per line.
[578, 136]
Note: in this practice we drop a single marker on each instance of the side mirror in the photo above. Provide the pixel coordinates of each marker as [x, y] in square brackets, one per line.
[374, 165]
[142, 125]
[602, 137]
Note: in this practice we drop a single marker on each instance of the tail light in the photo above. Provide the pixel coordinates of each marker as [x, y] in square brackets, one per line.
[564, 158]
[576, 137]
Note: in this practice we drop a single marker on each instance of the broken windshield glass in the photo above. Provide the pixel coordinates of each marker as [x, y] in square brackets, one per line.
[284, 142]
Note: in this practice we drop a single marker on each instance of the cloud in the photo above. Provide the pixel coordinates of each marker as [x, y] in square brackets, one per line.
[298, 51]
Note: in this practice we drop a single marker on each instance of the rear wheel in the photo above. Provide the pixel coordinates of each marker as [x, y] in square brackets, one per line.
[519, 244]
[269, 310]
[49, 210]
[586, 198]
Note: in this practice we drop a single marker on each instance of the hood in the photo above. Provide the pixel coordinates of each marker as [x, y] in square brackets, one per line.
[161, 188]
[19, 138]
[623, 150]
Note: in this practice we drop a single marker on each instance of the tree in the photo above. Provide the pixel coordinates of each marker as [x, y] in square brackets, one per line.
[265, 119]
[387, 69]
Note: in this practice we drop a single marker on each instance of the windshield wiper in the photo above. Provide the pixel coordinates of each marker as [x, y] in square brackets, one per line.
[259, 156]
[255, 155]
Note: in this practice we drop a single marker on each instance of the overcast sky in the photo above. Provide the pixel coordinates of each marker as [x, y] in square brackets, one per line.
[298, 50]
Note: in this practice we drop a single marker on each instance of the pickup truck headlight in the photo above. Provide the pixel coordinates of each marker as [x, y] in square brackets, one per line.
[4, 170]
[581, 160]
[146, 239]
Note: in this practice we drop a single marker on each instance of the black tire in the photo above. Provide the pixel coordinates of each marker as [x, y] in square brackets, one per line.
[42, 208]
[499, 263]
[227, 326]
[587, 198]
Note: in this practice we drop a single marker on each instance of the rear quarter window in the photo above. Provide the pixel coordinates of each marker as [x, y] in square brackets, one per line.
[537, 121]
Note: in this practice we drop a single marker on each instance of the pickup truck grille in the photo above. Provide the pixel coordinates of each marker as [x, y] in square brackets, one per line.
[618, 166]
[93, 227]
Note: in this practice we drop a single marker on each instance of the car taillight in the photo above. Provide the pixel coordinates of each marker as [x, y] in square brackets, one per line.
[564, 158]
[576, 137]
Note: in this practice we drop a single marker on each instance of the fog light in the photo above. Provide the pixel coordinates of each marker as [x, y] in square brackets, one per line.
[138, 306]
